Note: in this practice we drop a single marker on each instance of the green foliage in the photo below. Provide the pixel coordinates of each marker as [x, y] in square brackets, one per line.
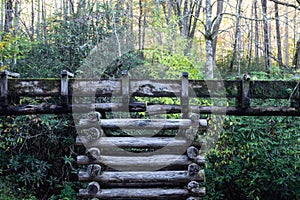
[26, 163]
[13, 47]
[255, 158]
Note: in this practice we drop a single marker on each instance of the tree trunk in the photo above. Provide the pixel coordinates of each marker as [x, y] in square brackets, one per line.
[32, 19]
[256, 38]
[217, 26]
[287, 37]
[236, 37]
[250, 43]
[266, 37]
[278, 37]
[8, 16]
[296, 60]
[209, 64]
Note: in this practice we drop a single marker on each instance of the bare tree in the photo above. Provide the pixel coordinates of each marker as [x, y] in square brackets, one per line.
[256, 38]
[8, 15]
[209, 64]
[216, 26]
[278, 37]
[266, 36]
[286, 40]
[237, 36]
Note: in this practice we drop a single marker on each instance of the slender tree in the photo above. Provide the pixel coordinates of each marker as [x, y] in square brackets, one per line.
[266, 37]
[278, 36]
[237, 36]
[8, 15]
[256, 38]
[209, 64]
[216, 26]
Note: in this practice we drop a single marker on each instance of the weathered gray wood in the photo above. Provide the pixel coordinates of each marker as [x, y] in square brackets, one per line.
[184, 100]
[152, 193]
[125, 87]
[192, 152]
[151, 88]
[93, 170]
[159, 109]
[93, 153]
[141, 123]
[194, 187]
[194, 169]
[9, 74]
[3, 88]
[220, 110]
[155, 88]
[64, 86]
[141, 178]
[93, 188]
[90, 135]
[132, 142]
[82, 87]
[141, 162]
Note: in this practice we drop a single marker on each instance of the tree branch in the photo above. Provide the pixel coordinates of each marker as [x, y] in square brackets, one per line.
[287, 4]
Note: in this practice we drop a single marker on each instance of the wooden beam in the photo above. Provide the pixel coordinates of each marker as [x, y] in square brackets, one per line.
[142, 124]
[141, 178]
[141, 162]
[131, 193]
[132, 142]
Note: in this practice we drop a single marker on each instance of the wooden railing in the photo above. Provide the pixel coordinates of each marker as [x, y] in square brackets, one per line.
[67, 88]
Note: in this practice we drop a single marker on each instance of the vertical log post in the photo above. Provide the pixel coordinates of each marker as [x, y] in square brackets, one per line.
[125, 89]
[4, 85]
[64, 89]
[243, 100]
[185, 95]
[295, 97]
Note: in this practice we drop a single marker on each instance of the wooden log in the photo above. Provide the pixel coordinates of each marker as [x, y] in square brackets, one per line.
[190, 134]
[141, 163]
[93, 188]
[156, 109]
[184, 100]
[96, 88]
[192, 198]
[192, 152]
[141, 123]
[142, 178]
[91, 134]
[131, 193]
[195, 188]
[152, 88]
[194, 169]
[93, 153]
[132, 142]
[93, 170]
[155, 88]
[108, 107]
[220, 110]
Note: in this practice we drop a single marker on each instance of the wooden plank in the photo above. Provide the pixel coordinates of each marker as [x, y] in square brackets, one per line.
[131, 193]
[96, 88]
[34, 87]
[141, 178]
[155, 88]
[141, 163]
[141, 123]
[220, 110]
[132, 142]
[271, 89]
[151, 88]
[214, 88]
[151, 109]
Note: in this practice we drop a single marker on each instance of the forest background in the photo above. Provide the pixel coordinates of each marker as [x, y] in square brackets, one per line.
[255, 157]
